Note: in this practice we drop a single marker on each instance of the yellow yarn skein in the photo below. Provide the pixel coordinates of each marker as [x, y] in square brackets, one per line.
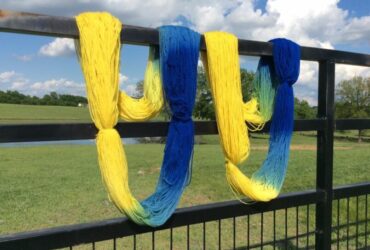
[99, 48]
[221, 62]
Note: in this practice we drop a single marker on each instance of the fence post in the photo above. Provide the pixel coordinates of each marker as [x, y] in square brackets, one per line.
[324, 170]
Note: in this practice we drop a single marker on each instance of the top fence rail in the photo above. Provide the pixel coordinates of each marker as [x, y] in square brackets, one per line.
[30, 23]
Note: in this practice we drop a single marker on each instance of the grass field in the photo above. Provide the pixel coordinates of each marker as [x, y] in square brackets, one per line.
[45, 186]
[14, 113]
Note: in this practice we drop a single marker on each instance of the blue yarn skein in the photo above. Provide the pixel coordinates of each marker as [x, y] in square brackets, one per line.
[286, 62]
[179, 53]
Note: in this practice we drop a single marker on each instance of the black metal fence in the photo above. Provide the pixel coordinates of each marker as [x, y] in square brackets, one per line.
[313, 219]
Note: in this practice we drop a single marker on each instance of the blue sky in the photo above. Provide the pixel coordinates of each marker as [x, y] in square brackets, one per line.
[37, 65]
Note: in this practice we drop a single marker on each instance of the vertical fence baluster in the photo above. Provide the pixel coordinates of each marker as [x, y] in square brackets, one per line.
[114, 244]
[234, 233]
[296, 226]
[153, 240]
[308, 226]
[274, 228]
[134, 242]
[248, 235]
[219, 234]
[356, 222]
[188, 237]
[286, 228]
[365, 221]
[347, 223]
[204, 235]
[261, 230]
[171, 238]
[338, 218]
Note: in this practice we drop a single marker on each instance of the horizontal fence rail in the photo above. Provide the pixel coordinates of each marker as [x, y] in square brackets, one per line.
[54, 132]
[66, 27]
[79, 131]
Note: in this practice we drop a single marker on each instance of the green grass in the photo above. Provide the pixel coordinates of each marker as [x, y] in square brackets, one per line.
[46, 186]
[15, 113]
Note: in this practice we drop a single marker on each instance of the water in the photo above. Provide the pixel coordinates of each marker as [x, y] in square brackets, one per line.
[68, 142]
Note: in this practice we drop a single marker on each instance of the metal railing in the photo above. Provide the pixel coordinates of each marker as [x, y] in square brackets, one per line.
[318, 210]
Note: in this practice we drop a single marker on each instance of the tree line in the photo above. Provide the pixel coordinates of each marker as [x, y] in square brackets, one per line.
[204, 105]
[352, 98]
[55, 99]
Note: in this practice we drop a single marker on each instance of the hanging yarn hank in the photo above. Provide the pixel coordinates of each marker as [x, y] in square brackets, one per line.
[286, 63]
[99, 48]
[222, 65]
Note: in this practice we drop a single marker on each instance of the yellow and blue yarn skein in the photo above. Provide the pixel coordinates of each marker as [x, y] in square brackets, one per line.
[221, 62]
[99, 48]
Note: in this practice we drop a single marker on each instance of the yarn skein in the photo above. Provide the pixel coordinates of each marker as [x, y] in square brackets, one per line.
[99, 48]
[222, 65]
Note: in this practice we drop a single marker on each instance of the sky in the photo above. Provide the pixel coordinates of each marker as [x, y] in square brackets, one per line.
[37, 65]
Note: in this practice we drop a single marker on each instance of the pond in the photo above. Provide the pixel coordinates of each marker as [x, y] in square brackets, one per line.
[66, 142]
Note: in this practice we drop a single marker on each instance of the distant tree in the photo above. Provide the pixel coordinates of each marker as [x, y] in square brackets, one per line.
[302, 110]
[204, 104]
[139, 89]
[53, 98]
[353, 99]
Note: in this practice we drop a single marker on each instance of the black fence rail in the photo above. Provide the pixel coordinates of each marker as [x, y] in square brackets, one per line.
[313, 219]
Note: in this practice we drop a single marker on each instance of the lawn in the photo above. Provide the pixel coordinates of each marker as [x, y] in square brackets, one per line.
[15, 113]
[46, 186]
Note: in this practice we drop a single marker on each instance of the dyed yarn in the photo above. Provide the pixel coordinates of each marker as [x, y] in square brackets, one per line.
[179, 53]
[222, 65]
[286, 62]
[99, 48]
[142, 109]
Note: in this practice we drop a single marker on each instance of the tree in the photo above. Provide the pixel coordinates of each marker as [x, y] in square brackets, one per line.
[139, 89]
[53, 98]
[302, 110]
[204, 104]
[353, 99]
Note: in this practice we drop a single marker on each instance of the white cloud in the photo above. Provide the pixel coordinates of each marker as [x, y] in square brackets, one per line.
[19, 85]
[12, 80]
[319, 23]
[23, 58]
[130, 89]
[58, 47]
[122, 79]
[62, 86]
[7, 76]
[310, 22]
[308, 73]
[346, 72]
[125, 85]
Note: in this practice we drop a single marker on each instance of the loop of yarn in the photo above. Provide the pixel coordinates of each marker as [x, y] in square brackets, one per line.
[147, 107]
[286, 64]
[99, 48]
[223, 70]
